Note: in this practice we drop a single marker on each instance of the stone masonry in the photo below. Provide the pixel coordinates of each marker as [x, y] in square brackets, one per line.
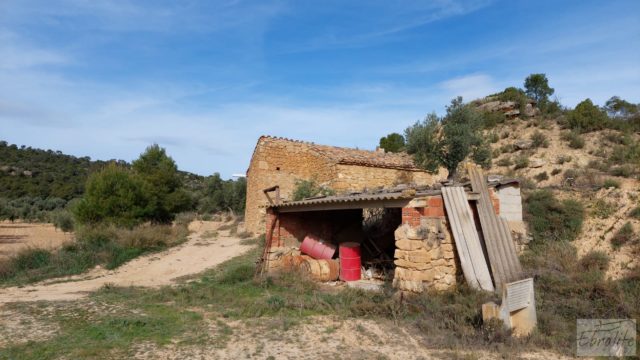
[278, 161]
[425, 255]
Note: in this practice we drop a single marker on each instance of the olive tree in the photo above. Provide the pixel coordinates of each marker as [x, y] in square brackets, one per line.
[447, 141]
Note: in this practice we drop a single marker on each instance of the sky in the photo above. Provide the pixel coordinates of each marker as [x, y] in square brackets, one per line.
[204, 78]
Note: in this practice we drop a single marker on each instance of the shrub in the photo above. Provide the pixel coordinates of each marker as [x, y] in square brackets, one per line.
[603, 209]
[626, 154]
[113, 195]
[622, 171]
[550, 219]
[63, 220]
[598, 165]
[575, 140]
[309, 188]
[509, 148]
[594, 261]
[624, 235]
[635, 213]
[493, 137]
[563, 159]
[492, 119]
[539, 139]
[521, 162]
[541, 176]
[392, 143]
[556, 171]
[587, 117]
[505, 161]
[611, 183]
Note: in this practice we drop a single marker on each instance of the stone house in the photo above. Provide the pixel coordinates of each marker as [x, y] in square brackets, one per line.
[280, 162]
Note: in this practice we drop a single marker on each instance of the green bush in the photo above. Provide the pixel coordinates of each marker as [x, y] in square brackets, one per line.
[635, 213]
[556, 171]
[541, 176]
[392, 143]
[622, 171]
[63, 220]
[624, 235]
[113, 195]
[603, 209]
[553, 220]
[611, 183]
[563, 159]
[539, 139]
[309, 188]
[574, 139]
[587, 117]
[594, 261]
[505, 161]
[521, 162]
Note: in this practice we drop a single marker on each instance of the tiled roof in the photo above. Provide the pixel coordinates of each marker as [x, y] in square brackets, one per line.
[351, 156]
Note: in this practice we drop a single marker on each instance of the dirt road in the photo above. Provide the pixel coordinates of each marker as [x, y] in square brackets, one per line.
[201, 251]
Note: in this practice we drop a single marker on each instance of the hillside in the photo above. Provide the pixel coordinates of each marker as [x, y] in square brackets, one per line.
[34, 182]
[599, 169]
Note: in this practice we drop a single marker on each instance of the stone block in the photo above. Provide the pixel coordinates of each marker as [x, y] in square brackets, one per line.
[409, 244]
[417, 233]
[411, 265]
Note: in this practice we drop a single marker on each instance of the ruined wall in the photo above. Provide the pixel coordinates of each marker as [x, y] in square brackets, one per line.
[425, 252]
[277, 162]
[425, 255]
[355, 177]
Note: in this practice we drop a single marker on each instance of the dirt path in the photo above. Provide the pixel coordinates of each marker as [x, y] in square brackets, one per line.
[202, 250]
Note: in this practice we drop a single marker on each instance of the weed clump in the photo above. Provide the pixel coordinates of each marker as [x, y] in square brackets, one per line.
[551, 219]
[623, 236]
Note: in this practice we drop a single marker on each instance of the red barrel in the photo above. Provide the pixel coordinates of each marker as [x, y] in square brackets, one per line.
[314, 247]
[350, 261]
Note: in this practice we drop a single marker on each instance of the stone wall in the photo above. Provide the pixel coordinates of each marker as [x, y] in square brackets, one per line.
[425, 252]
[277, 162]
[425, 255]
[354, 177]
[282, 162]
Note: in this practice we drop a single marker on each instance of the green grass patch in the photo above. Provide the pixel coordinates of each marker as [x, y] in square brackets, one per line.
[108, 246]
[550, 219]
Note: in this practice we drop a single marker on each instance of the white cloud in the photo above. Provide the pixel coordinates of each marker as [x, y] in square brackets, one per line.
[470, 87]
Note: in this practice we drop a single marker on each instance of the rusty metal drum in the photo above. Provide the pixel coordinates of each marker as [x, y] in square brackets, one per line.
[350, 262]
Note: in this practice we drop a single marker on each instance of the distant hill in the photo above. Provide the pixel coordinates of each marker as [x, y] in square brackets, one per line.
[29, 172]
[25, 171]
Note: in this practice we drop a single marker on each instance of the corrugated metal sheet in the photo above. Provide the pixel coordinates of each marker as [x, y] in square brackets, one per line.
[362, 197]
[474, 265]
[503, 258]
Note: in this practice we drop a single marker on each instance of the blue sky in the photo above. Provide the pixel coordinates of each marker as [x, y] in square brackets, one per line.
[206, 78]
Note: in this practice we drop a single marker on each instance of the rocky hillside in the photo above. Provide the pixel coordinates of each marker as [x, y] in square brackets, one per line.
[600, 169]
